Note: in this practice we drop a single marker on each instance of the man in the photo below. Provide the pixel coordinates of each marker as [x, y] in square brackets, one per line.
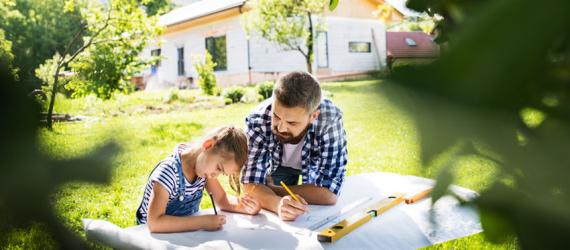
[296, 132]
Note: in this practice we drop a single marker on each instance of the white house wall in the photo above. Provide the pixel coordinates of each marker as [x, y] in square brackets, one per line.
[270, 57]
[341, 31]
[266, 58]
[194, 42]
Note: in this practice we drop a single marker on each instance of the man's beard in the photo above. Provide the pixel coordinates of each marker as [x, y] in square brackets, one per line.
[288, 138]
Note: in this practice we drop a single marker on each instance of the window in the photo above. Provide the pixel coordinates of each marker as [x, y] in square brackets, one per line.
[322, 50]
[359, 47]
[181, 61]
[216, 46]
[155, 53]
[410, 42]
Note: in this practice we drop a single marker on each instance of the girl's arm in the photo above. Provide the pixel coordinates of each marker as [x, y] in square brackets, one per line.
[159, 222]
[246, 205]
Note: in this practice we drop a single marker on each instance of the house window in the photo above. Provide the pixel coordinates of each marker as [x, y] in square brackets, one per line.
[155, 53]
[322, 50]
[359, 47]
[216, 46]
[181, 61]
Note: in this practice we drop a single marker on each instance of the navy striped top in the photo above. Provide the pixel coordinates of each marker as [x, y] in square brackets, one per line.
[166, 174]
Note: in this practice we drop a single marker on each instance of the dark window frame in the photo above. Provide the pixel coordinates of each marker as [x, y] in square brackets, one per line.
[180, 51]
[221, 63]
[154, 66]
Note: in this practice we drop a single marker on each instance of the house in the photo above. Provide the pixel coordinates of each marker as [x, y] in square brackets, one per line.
[353, 43]
[410, 46]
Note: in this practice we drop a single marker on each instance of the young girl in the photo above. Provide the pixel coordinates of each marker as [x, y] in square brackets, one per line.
[174, 188]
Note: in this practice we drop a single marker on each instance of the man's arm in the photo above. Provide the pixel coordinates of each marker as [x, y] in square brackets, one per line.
[331, 169]
[254, 175]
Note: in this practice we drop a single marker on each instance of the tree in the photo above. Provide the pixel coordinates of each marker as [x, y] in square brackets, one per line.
[6, 56]
[106, 66]
[36, 30]
[288, 23]
[500, 93]
[157, 7]
[109, 54]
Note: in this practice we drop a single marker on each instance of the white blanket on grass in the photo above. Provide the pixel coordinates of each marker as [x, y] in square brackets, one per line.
[402, 227]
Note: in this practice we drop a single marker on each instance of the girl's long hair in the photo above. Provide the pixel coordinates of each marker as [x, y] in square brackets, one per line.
[230, 142]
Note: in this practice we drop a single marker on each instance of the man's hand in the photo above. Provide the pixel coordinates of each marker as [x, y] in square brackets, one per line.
[249, 204]
[289, 209]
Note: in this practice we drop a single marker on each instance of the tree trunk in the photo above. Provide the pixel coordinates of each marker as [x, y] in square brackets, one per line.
[309, 56]
[52, 99]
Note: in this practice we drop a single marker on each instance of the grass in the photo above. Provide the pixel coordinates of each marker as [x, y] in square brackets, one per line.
[381, 137]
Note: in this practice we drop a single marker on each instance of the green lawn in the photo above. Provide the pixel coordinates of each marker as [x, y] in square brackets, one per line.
[381, 137]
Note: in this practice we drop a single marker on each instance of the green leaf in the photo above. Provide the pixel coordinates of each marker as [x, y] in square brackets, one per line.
[497, 227]
[444, 180]
[333, 4]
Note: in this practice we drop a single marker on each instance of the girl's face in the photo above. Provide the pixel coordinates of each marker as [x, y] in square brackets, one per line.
[210, 165]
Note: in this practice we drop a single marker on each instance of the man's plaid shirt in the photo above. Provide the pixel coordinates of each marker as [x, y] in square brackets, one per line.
[324, 155]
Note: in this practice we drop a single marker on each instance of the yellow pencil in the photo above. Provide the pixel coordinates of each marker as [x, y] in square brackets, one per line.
[289, 191]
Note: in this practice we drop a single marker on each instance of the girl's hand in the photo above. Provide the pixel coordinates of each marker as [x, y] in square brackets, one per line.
[249, 204]
[213, 222]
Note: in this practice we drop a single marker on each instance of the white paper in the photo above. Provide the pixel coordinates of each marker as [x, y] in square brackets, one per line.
[402, 227]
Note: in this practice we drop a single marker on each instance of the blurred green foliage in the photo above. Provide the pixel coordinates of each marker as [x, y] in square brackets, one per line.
[29, 176]
[502, 92]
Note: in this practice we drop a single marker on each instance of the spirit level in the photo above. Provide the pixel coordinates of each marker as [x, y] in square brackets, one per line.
[347, 225]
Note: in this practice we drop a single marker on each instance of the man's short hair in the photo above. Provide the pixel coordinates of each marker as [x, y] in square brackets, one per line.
[298, 89]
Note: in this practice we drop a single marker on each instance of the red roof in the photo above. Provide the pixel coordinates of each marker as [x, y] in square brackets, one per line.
[401, 45]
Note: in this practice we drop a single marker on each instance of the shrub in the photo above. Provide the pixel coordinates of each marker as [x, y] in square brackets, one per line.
[265, 89]
[171, 96]
[235, 94]
[402, 63]
[206, 77]
[228, 101]
[251, 95]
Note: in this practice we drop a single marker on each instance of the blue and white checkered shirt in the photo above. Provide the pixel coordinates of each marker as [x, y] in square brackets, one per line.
[324, 155]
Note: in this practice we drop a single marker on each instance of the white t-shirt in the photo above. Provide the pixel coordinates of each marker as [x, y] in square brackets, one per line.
[292, 155]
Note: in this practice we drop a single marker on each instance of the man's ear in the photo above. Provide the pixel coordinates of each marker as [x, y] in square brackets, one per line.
[315, 115]
[208, 143]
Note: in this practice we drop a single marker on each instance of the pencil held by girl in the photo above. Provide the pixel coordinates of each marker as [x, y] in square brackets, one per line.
[176, 184]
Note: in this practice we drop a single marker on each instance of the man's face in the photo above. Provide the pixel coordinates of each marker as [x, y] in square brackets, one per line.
[289, 124]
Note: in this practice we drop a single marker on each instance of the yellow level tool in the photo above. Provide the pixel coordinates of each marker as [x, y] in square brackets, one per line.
[346, 226]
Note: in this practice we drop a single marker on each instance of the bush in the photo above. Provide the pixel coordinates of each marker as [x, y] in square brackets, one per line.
[171, 96]
[251, 95]
[402, 63]
[235, 94]
[265, 89]
[206, 77]
[228, 101]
